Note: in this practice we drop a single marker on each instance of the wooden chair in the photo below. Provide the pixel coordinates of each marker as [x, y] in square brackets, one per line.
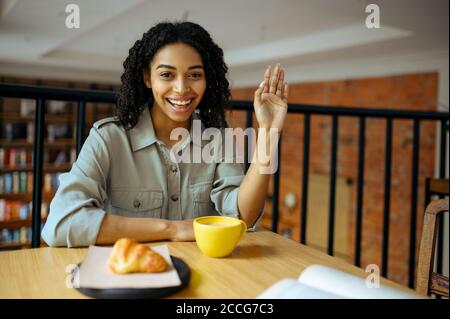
[427, 281]
[435, 186]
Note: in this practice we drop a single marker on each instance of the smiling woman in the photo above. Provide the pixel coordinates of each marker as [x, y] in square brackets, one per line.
[157, 56]
[177, 88]
[124, 183]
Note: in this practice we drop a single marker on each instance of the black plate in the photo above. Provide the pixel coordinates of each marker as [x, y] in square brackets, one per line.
[143, 293]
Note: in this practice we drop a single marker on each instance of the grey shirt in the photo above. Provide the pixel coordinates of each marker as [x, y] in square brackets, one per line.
[130, 173]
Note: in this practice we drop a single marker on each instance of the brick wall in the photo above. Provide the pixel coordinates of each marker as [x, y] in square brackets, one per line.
[405, 92]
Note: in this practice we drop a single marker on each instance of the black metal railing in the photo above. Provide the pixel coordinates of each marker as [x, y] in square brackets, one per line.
[362, 114]
[42, 94]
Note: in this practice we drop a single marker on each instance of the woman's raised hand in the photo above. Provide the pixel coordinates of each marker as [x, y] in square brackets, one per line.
[271, 99]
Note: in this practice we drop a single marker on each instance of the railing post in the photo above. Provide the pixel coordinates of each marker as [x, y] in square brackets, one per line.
[37, 173]
[276, 190]
[81, 118]
[442, 164]
[333, 165]
[414, 195]
[360, 190]
[305, 176]
[387, 198]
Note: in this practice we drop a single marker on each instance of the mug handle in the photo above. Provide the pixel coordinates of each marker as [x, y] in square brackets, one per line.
[243, 228]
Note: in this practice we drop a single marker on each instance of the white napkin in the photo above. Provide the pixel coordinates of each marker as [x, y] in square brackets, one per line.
[95, 273]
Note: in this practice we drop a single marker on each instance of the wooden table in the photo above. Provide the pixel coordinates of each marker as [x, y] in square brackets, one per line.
[261, 259]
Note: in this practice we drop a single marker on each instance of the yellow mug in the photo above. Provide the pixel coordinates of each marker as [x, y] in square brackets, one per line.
[217, 236]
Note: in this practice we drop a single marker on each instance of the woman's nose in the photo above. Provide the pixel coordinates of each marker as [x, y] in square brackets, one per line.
[181, 86]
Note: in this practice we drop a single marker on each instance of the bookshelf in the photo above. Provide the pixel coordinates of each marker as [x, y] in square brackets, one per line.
[14, 224]
[27, 196]
[16, 155]
[62, 143]
[14, 244]
[47, 168]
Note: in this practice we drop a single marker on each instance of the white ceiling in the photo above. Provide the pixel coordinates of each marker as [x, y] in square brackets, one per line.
[253, 33]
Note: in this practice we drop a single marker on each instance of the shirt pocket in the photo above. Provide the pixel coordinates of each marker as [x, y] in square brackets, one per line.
[201, 199]
[138, 202]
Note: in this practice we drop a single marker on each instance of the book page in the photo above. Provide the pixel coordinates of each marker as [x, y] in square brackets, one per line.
[292, 289]
[348, 286]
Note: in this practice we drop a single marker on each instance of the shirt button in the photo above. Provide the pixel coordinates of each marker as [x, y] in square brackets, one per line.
[136, 203]
[174, 198]
[173, 168]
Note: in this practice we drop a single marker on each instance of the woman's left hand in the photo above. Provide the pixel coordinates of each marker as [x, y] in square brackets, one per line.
[271, 99]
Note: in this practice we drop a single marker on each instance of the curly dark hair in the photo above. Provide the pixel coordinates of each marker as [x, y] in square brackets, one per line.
[134, 96]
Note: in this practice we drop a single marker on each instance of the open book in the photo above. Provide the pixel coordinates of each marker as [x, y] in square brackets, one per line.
[321, 282]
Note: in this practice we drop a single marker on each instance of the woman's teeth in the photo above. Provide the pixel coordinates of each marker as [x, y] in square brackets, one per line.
[179, 103]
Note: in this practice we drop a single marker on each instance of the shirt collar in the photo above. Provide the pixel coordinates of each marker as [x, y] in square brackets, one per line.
[143, 134]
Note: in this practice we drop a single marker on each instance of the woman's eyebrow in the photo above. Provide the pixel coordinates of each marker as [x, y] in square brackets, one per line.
[174, 68]
[195, 67]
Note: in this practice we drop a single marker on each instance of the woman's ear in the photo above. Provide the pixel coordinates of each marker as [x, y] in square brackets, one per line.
[146, 76]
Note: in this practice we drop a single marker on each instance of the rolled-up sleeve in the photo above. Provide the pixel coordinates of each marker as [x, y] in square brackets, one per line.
[77, 210]
[226, 188]
[224, 194]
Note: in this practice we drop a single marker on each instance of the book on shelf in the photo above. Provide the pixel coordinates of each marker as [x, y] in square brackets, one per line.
[15, 131]
[51, 182]
[15, 157]
[27, 107]
[60, 159]
[15, 182]
[20, 131]
[22, 182]
[57, 131]
[30, 132]
[322, 282]
[57, 107]
[73, 155]
[6, 183]
[13, 210]
[18, 235]
[19, 158]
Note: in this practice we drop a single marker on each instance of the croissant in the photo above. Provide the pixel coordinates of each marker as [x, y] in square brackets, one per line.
[129, 256]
